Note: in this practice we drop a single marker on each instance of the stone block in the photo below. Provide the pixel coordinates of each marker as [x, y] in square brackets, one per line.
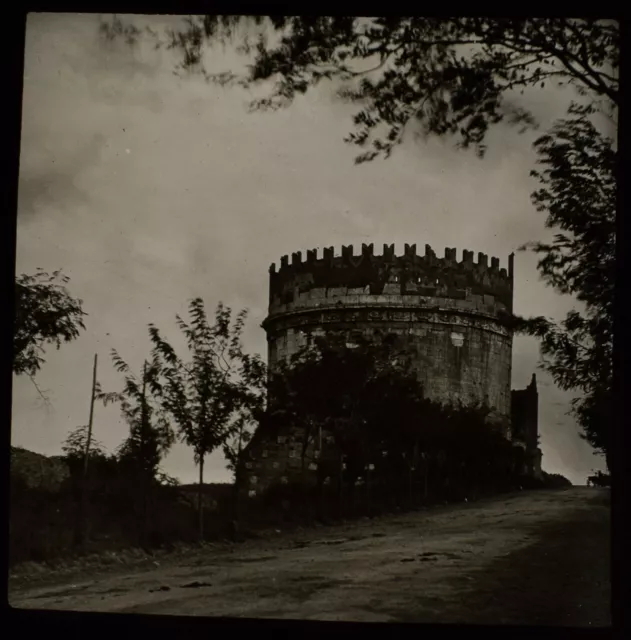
[317, 294]
[399, 316]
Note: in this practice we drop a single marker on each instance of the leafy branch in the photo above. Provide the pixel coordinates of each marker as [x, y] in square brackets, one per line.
[45, 313]
[457, 72]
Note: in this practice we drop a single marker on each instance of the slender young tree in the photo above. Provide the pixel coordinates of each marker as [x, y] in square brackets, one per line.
[206, 394]
[76, 451]
[150, 432]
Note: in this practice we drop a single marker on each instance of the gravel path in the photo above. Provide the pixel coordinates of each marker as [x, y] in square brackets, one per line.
[531, 558]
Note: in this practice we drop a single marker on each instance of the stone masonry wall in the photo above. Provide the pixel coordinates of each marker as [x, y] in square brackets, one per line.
[455, 357]
[278, 459]
[448, 316]
[525, 423]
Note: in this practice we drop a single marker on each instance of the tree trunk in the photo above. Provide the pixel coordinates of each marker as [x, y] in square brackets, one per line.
[236, 500]
[320, 497]
[304, 449]
[146, 508]
[200, 499]
[237, 489]
[303, 460]
[340, 487]
[234, 529]
[80, 524]
[320, 475]
[143, 484]
[368, 493]
[81, 533]
[426, 474]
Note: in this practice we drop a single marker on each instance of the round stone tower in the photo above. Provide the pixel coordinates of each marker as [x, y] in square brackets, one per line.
[449, 316]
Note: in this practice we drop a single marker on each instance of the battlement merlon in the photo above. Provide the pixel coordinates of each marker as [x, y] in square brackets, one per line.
[367, 251]
[363, 268]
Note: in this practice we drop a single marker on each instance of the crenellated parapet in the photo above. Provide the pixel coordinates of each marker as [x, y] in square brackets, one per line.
[328, 276]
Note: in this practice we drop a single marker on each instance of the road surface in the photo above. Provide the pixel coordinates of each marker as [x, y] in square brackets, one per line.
[530, 558]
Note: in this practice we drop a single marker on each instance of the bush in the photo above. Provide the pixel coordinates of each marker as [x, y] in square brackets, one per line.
[555, 481]
[599, 479]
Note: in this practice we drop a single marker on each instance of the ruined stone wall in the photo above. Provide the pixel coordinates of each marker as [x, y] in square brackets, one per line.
[525, 414]
[525, 423]
[278, 459]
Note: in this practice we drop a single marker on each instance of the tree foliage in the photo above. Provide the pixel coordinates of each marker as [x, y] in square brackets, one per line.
[332, 386]
[212, 396]
[101, 467]
[150, 437]
[150, 432]
[577, 175]
[75, 444]
[455, 77]
[45, 314]
[368, 398]
[204, 394]
[599, 479]
[252, 394]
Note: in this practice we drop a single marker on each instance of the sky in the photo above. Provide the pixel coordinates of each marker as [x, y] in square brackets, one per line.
[149, 189]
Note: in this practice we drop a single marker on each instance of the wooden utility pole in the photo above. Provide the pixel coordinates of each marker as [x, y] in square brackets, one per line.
[200, 499]
[83, 507]
[89, 438]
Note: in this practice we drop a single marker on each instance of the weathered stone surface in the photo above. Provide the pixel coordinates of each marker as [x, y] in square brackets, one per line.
[446, 314]
[525, 422]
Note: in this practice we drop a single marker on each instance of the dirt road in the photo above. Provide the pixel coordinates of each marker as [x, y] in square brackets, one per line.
[531, 558]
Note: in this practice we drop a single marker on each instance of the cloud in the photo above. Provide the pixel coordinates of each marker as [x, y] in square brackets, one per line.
[48, 177]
